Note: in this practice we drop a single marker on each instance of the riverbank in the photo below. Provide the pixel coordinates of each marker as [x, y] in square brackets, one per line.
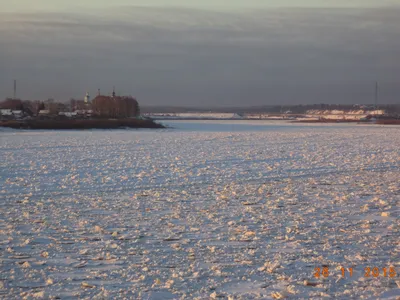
[381, 122]
[326, 121]
[388, 122]
[80, 124]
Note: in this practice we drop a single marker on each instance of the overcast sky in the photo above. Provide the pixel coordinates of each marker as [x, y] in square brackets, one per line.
[176, 52]
[18, 5]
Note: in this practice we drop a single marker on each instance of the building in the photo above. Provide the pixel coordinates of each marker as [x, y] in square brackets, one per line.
[6, 114]
[79, 105]
[115, 106]
[87, 98]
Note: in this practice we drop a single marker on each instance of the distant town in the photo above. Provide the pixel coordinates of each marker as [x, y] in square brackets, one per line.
[105, 112]
[100, 107]
[115, 107]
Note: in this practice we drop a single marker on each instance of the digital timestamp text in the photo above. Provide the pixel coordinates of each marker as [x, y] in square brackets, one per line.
[348, 272]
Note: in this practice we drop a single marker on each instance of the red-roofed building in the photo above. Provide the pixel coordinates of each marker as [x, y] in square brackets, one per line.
[115, 106]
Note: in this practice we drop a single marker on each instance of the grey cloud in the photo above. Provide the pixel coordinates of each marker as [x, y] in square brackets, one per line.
[192, 57]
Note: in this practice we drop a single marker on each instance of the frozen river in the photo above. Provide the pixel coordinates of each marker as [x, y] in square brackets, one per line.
[203, 210]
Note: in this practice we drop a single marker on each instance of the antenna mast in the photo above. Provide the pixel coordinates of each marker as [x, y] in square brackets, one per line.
[15, 89]
[376, 95]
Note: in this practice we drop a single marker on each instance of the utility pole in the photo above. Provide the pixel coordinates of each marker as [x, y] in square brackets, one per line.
[376, 95]
[15, 89]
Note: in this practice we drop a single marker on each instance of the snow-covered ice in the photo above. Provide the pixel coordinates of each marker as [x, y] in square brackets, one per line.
[228, 210]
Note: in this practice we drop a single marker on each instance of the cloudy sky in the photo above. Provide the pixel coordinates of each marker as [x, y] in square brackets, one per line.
[175, 52]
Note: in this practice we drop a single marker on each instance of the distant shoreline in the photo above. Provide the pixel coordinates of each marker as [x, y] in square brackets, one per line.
[215, 119]
[378, 122]
[81, 124]
[311, 121]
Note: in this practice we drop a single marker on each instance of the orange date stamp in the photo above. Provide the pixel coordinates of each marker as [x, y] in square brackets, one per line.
[371, 272]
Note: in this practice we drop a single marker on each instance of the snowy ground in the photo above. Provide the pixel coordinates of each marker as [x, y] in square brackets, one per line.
[234, 210]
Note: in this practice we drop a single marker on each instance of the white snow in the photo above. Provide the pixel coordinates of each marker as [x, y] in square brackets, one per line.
[220, 116]
[68, 114]
[6, 112]
[341, 114]
[224, 209]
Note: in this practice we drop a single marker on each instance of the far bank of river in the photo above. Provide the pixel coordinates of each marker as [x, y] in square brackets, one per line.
[81, 124]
